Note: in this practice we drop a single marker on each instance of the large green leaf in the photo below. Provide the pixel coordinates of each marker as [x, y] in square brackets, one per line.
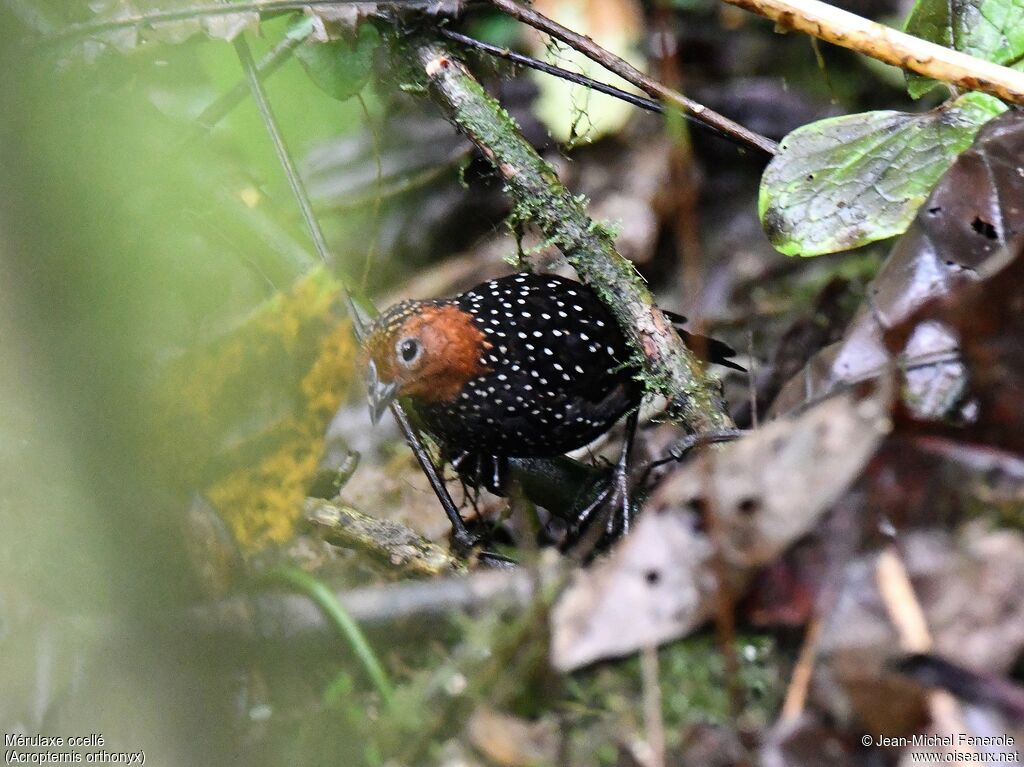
[846, 181]
[989, 29]
[341, 67]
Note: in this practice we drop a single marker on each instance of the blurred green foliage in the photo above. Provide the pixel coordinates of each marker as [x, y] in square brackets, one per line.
[341, 68]
[126, 243]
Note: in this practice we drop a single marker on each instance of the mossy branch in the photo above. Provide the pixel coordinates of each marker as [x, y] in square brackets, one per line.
[670, 368]
[383, 540]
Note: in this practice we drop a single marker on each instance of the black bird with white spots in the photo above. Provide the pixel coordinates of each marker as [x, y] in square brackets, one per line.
[522, 366]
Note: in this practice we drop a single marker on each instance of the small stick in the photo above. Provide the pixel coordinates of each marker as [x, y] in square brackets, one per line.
[904, 610]
[551, 69]
[462, 537]
[878, 41]
[654, 723]
[574, 77]
[800, 682]
[908, 618]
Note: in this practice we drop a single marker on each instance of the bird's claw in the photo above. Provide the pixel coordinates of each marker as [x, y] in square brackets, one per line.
[464, 541]
[613, 502]
[615, 496]
[467, 544]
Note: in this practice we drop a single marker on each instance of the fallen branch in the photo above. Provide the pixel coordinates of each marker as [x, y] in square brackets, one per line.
[286, 617]
[880, 42]
[382, 539]
[670, 368]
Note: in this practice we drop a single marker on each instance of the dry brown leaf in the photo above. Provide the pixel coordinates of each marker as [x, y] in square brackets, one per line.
[766, 490]
[657, 585]
[969, 591]
[771, 487]
[510, 741]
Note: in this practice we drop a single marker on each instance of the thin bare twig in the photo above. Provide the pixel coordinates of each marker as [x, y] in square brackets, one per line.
[889, 45]
[634, 76]
[221, 107]
[574, 77]
[800, 681]
[551, 69]
[904, 610]
[461, 536]
[907, 617]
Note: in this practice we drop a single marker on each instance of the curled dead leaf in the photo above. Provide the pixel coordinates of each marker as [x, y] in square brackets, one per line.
[766, 491]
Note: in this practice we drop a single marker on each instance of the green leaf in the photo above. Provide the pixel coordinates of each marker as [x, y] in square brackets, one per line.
[846, 181]
[342, 67]
[989, 29]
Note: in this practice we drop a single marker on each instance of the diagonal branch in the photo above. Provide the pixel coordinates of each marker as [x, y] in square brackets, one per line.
[670, 368]
[551, 69]
[574, 77]
[634, 76]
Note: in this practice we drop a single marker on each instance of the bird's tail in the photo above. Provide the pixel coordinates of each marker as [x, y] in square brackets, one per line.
[708, 349]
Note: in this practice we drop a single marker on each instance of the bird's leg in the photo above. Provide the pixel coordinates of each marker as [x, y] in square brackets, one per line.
[615, 498]
[468, 488]
[477, 470]
[498, 480]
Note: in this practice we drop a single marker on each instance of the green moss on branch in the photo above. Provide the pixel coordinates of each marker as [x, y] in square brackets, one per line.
[539, 196]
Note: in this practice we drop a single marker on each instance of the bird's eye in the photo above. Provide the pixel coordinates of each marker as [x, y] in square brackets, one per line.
[409, 350]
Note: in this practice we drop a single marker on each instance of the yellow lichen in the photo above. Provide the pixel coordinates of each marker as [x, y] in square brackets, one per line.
[256, 402]
[333, 365]
[262, 503]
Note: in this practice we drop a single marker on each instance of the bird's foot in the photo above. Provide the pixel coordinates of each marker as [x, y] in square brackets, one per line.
[612, 506]
[606, 515]
[463, 541]
[473, 545]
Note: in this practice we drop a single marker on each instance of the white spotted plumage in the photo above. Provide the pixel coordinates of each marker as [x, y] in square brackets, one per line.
[574, 388]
